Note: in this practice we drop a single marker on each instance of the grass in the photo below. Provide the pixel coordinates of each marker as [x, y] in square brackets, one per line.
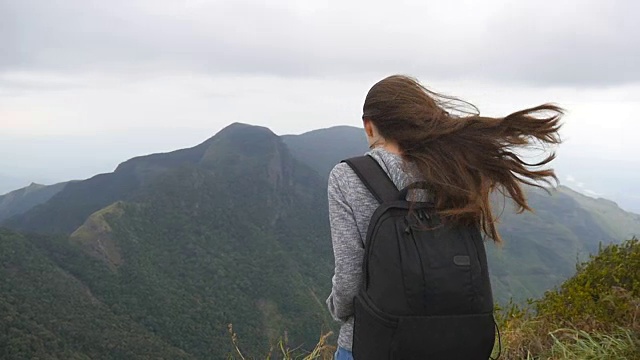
[578, 344]
[281, 350]
[534, 339]
[593, 315]
[95, 236]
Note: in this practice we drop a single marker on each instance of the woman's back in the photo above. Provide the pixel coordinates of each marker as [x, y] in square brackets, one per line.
[351, 206]
[461, 158]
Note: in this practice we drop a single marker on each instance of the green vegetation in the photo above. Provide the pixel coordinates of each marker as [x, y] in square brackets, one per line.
[238, 236]
[94, 236]
[608, 215]
[593, 315]
[48, 313]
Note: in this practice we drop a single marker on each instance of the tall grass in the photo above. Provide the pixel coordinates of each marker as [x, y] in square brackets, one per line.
[281, 350]
[578, 344]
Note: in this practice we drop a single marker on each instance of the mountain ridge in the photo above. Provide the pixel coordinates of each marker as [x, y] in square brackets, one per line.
[22, 200]
[227, 232]
[121, 184]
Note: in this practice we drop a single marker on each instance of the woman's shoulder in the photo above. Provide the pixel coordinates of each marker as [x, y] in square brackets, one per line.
[341, 174]
[341, 168]
[345, 183]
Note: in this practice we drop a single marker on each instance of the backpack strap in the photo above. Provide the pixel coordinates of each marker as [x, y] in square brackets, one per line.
[374, 178]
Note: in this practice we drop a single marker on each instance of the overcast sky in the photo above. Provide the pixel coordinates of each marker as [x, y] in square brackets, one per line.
[87, 84]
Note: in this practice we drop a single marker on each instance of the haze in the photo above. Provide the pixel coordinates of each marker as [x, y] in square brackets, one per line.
[85, 85]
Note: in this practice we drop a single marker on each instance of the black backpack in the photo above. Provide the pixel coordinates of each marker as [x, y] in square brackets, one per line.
[426, 293]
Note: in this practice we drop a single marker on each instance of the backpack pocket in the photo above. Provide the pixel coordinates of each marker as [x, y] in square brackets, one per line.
[469, 337]
[373, 331]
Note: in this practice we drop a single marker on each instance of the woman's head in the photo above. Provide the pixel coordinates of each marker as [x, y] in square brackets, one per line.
[462, 155]
[398, 106]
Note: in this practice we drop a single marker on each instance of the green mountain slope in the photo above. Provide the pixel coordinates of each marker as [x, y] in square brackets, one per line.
[542, 248]
[48, 313]
[323, 149]
[233, 238]
[22, 200]
[232, 233]
[608, 214]
[69, 208]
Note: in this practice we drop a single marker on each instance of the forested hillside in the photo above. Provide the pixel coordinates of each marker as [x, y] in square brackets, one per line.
[231, 232]
[47, 312]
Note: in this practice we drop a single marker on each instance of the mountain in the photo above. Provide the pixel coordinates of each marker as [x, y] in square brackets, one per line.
[22, 200]
[541, 249]
[608, 214]
[230, 231]
[69, 208]
[319, 149]
[323, 149]
[9, 183]
[172, 247]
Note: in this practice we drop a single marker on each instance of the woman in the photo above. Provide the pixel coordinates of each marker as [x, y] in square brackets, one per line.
[415, 134]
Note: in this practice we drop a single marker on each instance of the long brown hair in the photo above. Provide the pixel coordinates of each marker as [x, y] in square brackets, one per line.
[464, 157]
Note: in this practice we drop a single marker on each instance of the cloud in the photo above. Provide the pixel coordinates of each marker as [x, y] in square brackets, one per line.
[580, 187]
[108, 69]
[534, 43]
[578, 184]
[591, 193]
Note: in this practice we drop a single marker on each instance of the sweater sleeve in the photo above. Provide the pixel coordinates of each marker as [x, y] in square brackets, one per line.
[348, 248]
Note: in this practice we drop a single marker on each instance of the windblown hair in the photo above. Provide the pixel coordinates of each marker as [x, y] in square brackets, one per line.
[462, 156]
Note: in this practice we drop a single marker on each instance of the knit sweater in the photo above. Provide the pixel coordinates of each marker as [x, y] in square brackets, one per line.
[351, 206]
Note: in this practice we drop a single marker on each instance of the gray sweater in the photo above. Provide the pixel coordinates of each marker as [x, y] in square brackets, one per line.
[351, 206]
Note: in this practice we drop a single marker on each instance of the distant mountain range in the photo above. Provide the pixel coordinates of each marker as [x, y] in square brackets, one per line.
[22, 200]
[9, 183]
[160, 255]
